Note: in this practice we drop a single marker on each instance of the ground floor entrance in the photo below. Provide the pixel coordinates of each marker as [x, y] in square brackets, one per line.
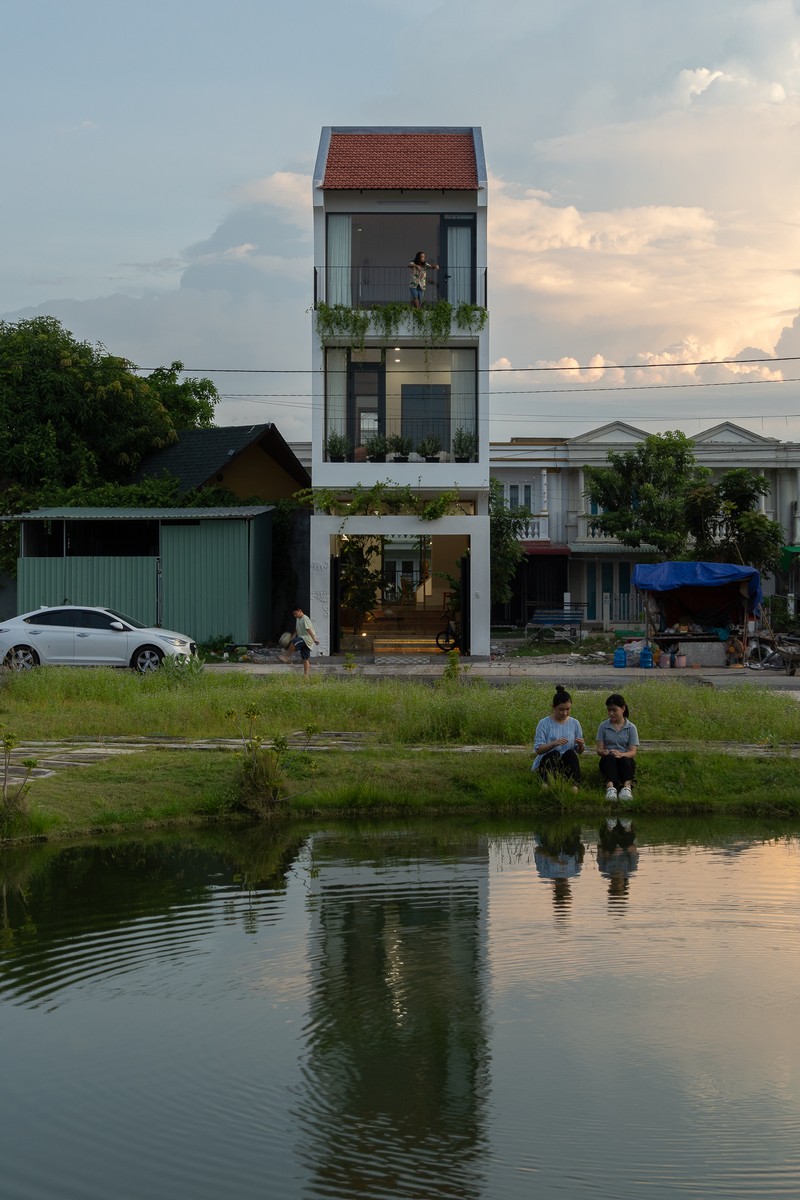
[397, 595]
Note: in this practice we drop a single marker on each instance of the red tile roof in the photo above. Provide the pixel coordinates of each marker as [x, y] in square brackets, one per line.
[401, 160]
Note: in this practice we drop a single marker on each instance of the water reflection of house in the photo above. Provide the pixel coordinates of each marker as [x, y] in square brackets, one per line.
[397, 1017]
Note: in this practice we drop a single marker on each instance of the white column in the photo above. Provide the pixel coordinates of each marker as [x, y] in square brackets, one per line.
[481, 596]
[320, 608]
[544, 507]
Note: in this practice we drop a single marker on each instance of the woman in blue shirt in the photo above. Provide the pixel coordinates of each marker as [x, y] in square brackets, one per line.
[558, 741]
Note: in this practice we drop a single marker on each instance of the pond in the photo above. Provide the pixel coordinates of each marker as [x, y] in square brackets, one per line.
[403, 1012]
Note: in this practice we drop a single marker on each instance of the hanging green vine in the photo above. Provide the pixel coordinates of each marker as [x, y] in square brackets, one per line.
[381, 499]
[432, 324]
[340, 321]
[388, 319]
[471, 318]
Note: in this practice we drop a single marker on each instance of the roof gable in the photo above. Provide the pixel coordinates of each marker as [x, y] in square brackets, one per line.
[615, 431]
[408, 159]
[199, 454]
[731, 434]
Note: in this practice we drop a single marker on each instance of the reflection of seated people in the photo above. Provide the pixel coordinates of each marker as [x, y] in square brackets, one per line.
[617, 856]
[734, 651]
[559, 856]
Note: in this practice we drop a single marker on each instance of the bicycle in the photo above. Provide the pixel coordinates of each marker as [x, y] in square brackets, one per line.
[450, 637]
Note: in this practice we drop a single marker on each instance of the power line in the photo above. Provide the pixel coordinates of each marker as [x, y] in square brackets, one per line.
[632, 387]
[705, 362]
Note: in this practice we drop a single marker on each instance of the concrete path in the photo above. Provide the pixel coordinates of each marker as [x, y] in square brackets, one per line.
[65, 754]
[570, 671]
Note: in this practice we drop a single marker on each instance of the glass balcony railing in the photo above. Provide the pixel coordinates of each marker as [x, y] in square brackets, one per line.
[374, 287]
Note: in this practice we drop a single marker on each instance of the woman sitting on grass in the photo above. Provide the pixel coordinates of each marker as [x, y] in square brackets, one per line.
[558, 741]
[617, 743]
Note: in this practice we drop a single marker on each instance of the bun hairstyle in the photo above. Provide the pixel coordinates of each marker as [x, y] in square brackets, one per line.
[562, 696]
[619, 701]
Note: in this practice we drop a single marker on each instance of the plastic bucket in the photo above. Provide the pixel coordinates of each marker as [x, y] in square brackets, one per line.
[664, 661]
[680, 660]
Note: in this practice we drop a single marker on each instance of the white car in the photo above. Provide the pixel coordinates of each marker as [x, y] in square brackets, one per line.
[80, 636]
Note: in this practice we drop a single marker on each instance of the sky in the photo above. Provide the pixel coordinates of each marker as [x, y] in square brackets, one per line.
[643, 205]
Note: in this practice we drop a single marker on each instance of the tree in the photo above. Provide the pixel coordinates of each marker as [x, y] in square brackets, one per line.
[726, 525]
[657, 496]
[73, 414]
[642, 493]
[360, 577]
[189, 402]
[506, 529]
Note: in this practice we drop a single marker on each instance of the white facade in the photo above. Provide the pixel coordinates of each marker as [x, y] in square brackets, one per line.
[546, 475]
[402, 385]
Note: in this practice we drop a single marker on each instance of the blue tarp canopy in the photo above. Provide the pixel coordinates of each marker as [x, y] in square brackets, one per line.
[709, 592]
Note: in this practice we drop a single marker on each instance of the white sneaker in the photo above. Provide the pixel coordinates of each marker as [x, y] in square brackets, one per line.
[627, 824]
[626, 794]
[611, 792]
[611, 823]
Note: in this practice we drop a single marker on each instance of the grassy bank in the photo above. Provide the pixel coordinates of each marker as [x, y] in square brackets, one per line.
[412, 759]
[63, 703]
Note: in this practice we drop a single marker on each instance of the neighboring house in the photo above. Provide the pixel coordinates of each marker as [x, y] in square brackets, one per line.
[248, 460]
[202, 571]
[380, 195]
[564, 551]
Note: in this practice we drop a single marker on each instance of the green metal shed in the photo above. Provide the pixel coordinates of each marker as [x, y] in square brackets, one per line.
[203, 571]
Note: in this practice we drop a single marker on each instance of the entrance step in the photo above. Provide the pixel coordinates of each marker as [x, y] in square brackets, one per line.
[404, 645]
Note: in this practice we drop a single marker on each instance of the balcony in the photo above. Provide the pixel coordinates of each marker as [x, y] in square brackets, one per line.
[589, 532]
[537, 529]
[370, 287]
[434, 439]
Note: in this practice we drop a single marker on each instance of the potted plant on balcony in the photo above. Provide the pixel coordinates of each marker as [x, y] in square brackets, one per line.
[376, 447]
[465, 443]
[400, 447]
[337, 447]
[430, 448]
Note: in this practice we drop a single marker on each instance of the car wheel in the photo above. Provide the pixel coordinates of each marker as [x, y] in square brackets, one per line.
[147, 658]
[21, 658]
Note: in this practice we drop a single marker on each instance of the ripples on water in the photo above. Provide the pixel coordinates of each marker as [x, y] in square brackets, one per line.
[402, 1014]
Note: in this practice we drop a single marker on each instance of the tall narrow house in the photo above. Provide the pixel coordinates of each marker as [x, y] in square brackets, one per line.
[400, 432]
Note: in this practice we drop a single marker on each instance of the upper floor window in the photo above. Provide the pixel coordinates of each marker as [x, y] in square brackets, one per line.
[407, 394]
[367, 257]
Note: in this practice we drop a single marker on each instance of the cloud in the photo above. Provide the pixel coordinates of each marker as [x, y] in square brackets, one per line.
[287, 191]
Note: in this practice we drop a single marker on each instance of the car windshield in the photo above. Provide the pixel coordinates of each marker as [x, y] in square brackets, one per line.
[131, 620]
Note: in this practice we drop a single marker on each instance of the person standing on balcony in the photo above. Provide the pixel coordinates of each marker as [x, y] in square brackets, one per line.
[419, 277]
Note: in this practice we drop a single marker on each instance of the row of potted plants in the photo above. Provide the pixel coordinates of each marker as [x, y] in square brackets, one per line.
[465, 444]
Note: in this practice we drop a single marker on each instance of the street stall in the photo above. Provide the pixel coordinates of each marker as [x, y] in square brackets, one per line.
[697, 612]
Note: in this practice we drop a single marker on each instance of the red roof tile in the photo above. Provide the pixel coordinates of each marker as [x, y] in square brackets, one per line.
[401, 160]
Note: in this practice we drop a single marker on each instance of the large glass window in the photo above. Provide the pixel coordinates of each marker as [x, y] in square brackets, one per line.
[367, 256]
[410, 394]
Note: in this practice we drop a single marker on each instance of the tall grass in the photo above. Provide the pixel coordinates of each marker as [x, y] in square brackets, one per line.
[67, 703]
